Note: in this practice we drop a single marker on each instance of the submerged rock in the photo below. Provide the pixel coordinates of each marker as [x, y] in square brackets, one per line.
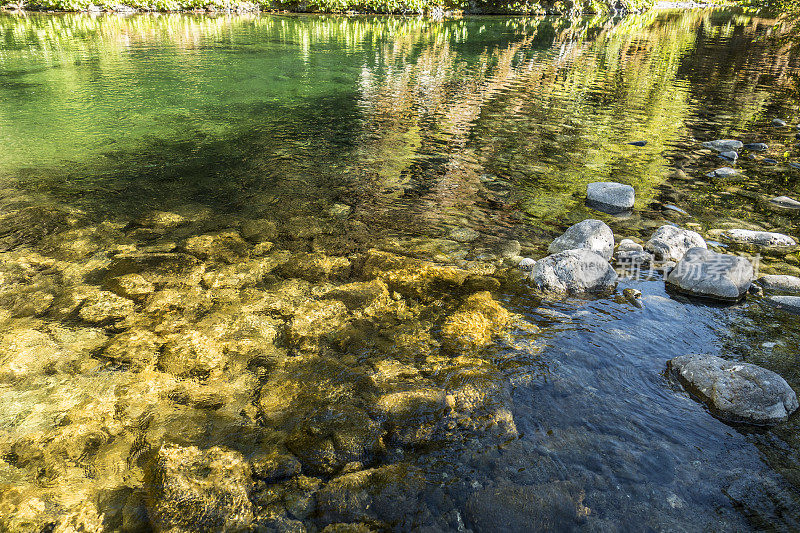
[472, 326]
[591, 234]
[610, 196]
[670, 243]
[227, 247]
[778, 123]
[556, 506]
[413, 277]
[723, 172]
[759, 240]
[389, 494]
[787, 303]
[464, 234]
[785, 201]
[736, 392]
[193, 490]
[773, 282]
[315, 267]
[574, 272]
[756, 147]
[724, 145]
[104, 308]
[709, 274]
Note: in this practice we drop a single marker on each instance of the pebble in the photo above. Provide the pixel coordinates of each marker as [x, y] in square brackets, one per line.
[729, 156]
[526, 265]
[778, 123]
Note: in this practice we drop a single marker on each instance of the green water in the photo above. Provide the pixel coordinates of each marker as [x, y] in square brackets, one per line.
[341, 135]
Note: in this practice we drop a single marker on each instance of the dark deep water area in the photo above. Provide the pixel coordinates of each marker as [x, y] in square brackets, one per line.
[239, 257]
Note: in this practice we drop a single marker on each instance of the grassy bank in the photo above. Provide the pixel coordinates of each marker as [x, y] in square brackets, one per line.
[430, 7]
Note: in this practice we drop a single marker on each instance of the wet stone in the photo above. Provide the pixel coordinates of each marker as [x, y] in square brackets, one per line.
[724, 145]
[573, 272]
[413, 277]
[190, 354]
[132, 286]
[137, 348]
[315, 321]
[709, 274]
[786, 202]
[610, 196]
[593, 235]
[736, 392]
[670, 243]
[723, 172]
[756, 147]
[274, 467]
[464, 235]
[193, 490]
[388, 495]
[773, 282]
[759, 240]
[787, 303]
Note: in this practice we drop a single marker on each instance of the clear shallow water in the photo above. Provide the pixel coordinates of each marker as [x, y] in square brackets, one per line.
[358, 133]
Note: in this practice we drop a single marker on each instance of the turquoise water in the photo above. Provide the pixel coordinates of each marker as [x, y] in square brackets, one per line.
[348, 134]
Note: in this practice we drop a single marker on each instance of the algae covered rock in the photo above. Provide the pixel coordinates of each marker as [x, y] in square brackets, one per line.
[474, 324]
[194, 490]
[137, 348]
[315, 321]
[131, 286]
[315, 267]
[389, 494]
[191, 354]
[105, 307]
[226, 247]
[556, 506]
[412, 277]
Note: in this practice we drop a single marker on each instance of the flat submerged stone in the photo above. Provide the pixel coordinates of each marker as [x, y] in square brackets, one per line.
[610, 196]
[735, 392]
[787, 303]
[724, 145]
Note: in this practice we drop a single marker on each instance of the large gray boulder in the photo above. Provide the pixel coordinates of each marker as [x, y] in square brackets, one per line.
[758, 240]
[670, 243]
[709, 274]
[574, 272]
[736, 392]
[787, 303]
[591, 234]
[775, 282]
[724, 145]
[609, 196]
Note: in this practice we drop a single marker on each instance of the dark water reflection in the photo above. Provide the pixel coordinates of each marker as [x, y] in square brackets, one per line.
[418, 128]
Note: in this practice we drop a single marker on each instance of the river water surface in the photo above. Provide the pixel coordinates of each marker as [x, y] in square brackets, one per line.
[254, 233]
